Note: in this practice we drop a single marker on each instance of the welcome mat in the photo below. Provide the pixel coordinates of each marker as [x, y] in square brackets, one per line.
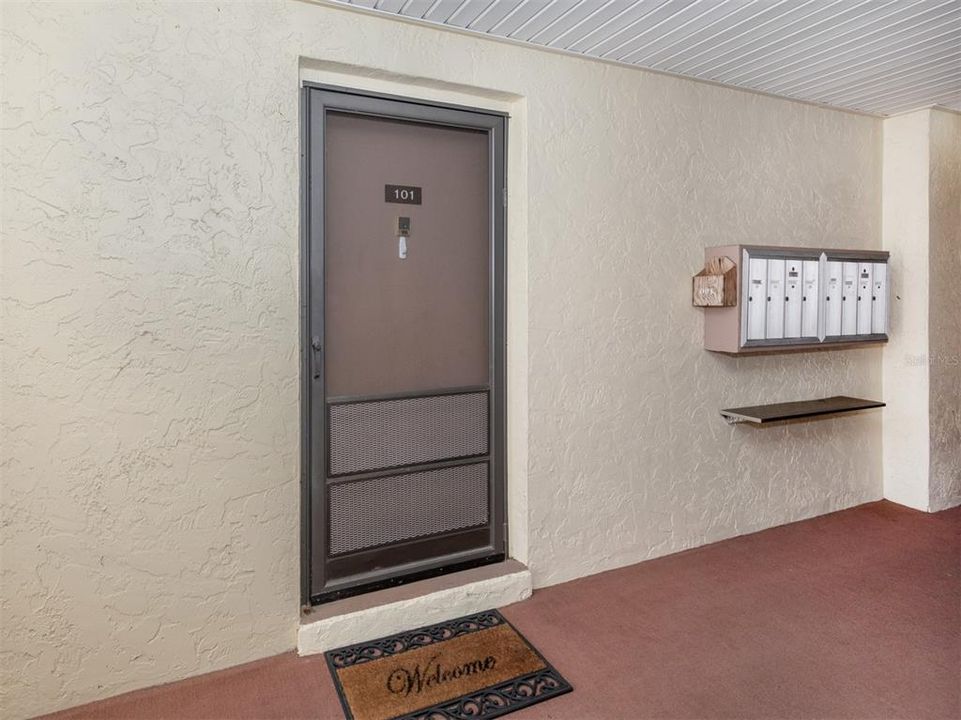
[475, 667]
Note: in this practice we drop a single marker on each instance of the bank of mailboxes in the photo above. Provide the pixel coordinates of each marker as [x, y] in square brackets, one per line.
[793, 298]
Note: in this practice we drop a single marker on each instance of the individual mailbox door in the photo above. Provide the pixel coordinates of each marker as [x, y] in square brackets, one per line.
[775, 299]
[756, 303]
[832, 298]
[792, 298]
[864, 298]
[849, 298]
[879, 299]
[810, 274]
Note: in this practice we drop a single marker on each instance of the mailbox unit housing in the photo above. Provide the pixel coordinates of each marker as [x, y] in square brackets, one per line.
[793, 299]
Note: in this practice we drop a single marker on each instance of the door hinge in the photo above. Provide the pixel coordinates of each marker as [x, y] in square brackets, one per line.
[317, 347]
[505, 197]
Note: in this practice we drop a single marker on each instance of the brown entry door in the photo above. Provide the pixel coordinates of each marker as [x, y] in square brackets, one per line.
[404, 343]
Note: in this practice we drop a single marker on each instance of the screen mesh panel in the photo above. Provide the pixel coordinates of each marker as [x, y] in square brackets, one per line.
[391, 433]
[368, 513]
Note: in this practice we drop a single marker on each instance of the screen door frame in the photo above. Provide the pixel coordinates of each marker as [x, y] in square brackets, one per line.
[317, 100]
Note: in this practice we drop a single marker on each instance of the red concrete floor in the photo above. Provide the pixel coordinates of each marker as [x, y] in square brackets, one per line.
[856, 614]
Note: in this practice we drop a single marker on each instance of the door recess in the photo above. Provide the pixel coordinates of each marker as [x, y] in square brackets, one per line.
[404, 288]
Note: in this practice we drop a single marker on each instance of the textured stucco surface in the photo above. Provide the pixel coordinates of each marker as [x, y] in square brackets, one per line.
[906, 434]
[436, 607]
[921, 227]
[150, 380]
[945, 320]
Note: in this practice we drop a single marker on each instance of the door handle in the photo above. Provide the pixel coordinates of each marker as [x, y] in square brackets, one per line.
[317, 348]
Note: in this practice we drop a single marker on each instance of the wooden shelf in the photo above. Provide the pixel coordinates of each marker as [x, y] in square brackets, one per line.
[763, 414]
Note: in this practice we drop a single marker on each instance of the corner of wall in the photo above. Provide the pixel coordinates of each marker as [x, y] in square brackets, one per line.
[944, 217]
[904, 221]
[921, 220]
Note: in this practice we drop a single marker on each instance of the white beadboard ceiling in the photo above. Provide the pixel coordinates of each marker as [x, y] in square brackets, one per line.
[877, 56]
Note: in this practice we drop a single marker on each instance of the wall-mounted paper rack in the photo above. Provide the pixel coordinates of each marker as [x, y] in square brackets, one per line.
[776, 412]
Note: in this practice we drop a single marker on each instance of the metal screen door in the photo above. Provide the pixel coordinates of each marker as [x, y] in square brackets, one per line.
[403, 340]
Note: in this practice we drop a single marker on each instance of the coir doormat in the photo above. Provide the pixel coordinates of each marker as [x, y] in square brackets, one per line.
[475, 667]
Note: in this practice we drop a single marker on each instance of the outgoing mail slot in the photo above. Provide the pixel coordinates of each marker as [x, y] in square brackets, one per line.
[775, 299]
[879, 299]
[810, 298]
[756, 302]
[864, 297]
[849, 298]
[832, 298]
[792, 298]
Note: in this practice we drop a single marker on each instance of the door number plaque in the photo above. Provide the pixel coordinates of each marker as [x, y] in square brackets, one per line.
[406, 194]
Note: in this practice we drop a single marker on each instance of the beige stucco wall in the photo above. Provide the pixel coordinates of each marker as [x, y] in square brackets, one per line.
[945, 299]
[150, 379]
[905, 368]
[921, 227]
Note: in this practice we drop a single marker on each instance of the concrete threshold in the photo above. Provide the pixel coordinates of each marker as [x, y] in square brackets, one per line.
[406, 607]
